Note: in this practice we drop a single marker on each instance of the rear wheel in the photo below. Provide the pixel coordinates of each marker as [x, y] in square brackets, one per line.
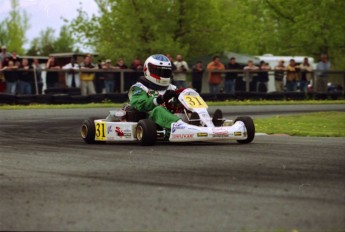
[249, 124]
[87, 131]
[146, 132]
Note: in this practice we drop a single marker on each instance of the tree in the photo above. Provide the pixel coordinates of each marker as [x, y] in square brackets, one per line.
[43, 45]
[65, 41]
[125, 28]
[47, 43]
[130, 28]
[13, 29]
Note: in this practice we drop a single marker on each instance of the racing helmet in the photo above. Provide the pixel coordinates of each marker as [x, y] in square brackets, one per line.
[158, 70]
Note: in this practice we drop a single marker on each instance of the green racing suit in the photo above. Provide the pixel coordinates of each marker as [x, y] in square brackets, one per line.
[145, 100]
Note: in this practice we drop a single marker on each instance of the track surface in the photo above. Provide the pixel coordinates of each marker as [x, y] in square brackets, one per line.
[51, 180]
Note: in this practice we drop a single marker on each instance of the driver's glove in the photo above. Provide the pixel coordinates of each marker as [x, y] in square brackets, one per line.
[166, 96]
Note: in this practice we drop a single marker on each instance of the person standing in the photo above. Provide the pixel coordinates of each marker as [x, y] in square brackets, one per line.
[52, 76]
[197, 74]
[230, 77]
[321, 75]
[87, 76]
[214, 78]
[262, 79]
[72, 75]
[306, 71]
[181, 72]
[11, 78]
[37, 71]
[137, 68]
[279, 73]
[292, 76]
[26, 78]
[109, 79]
[120, 64]
[4, 54]
[249, 76]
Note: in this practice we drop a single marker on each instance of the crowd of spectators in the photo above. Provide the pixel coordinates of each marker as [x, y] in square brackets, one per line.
[22, 77]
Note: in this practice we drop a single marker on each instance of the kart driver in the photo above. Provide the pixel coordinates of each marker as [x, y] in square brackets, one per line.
[154, 89]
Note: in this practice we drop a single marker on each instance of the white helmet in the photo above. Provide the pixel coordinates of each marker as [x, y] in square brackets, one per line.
[158, 70]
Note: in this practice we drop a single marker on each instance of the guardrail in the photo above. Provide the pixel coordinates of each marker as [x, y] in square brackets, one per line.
[244, 74]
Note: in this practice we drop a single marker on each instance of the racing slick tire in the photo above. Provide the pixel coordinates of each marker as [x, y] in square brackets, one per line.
[87, 131]
[146, 132]
[250, 127]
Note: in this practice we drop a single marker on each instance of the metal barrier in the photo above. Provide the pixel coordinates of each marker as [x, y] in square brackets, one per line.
[338, 77]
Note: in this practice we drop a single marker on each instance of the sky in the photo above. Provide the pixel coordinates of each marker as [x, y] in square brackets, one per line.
[47, 13]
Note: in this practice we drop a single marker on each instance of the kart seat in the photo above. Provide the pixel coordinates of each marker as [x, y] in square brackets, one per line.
[133, 115]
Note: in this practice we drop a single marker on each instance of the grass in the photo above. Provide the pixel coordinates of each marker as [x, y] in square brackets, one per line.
[321, 124]
[218, 103]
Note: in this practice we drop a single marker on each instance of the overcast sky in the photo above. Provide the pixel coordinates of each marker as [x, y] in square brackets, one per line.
[47, 13]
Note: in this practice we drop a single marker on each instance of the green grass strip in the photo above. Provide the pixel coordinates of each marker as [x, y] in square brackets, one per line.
[218, 103]
[321, 124]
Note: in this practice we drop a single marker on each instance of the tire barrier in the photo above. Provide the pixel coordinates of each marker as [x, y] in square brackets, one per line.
[73, 98]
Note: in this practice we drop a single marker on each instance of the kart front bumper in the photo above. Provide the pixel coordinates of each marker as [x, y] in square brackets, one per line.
[182, 132]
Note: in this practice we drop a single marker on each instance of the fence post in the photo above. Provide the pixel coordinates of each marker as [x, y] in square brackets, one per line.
[246, 77]
[122, 83]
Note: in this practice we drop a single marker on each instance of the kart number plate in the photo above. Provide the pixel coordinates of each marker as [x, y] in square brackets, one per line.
[195, 101]
[100, 131]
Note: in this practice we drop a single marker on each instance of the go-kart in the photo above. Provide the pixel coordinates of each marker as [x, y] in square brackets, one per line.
[128, 124]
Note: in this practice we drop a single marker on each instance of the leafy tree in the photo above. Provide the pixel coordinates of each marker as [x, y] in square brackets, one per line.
[13, 29]
[129, 28]
[43, 45]
[65, 41]
[47, 43]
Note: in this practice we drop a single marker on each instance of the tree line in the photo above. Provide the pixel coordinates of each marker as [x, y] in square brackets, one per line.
[138, 28]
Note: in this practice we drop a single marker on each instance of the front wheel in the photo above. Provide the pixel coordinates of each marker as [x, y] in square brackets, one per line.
[146, 132]
[87, 131]
[250, 127]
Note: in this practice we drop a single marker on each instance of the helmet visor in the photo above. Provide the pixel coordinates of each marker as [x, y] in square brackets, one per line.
[161, 71]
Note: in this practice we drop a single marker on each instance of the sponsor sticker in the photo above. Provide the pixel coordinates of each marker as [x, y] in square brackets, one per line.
[202, 134]
[220, 132]
[238, 133]
[109, 129]
[182, 136]
[177, 126]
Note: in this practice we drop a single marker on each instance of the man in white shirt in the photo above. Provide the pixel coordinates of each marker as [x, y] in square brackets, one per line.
[72, 75]
[180, 73]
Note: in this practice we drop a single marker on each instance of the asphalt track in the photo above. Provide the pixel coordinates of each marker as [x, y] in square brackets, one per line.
[51, 180]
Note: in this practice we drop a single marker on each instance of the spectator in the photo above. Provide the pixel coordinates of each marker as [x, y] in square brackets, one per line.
[11, 78]
[52, 77]
[14, 58]
[215, 78]
[262, 79]
[137, 68]
[109, 77]
[72, 75]
[5, 61]
[279, 73]
[306, 71]
[321, 75]
[173, 66]
[37, 69]
[87, 76]
[230, 77]
[292, 76]
[120, 64]
[98, 81]
[197, 74]
[180, 74]
[26, 78]
[248, 74]
[3, 55]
